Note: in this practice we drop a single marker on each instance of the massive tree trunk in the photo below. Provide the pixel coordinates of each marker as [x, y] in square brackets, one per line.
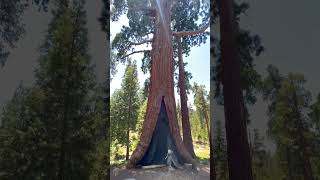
[186, 129]
[239, 160]
[161, 87]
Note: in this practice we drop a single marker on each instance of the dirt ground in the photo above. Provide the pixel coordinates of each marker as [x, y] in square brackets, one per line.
[161, 174]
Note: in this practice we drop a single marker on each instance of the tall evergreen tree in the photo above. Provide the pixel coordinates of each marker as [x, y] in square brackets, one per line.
[185, 17]
[66, 77]
[125, 106]
[237, 139]
[100, 156]
[60, 124]
[21, 136]
[288, 125]
[202, 105]
[130, 87]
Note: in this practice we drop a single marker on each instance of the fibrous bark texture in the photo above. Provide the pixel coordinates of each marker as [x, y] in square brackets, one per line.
[239, 159]
[186, 128]
[161, 87]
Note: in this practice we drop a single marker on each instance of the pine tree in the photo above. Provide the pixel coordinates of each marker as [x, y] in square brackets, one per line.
[60, 125]
[125, 106]
[101, 154]
[202, 105]
[288, 126]
[21, 136]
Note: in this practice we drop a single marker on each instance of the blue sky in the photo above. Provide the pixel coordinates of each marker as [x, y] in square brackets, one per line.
[198, 63]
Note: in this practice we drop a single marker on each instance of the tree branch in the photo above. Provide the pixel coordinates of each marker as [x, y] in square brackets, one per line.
[142, 42]
[190, 33]
[134, 52]
[141, 8]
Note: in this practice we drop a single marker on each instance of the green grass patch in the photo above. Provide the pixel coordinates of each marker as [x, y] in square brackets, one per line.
[202, 151]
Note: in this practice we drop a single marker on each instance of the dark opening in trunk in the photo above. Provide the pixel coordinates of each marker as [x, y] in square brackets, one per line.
[160, 143]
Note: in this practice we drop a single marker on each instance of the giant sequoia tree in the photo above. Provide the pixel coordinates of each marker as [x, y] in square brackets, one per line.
[150, 22]
[239, 160]
[185, 16]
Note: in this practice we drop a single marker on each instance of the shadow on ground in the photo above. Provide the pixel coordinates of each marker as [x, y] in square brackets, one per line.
[160, 174]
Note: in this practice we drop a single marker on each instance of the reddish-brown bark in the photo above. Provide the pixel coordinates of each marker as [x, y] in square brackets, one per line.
[239, 160]
[161, 87]
[186, 128]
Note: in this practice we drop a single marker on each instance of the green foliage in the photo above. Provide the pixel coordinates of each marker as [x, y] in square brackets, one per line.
[179, 116]
[249, 47]
[202, 103]
[11, 27]
[141, 116]
[52, 129]
[100, 155]
[289, 127]
[259, 156]
[125, 104]
[185, 16]
[198, 132]
[315, 118]
[220, 152]
[21, 137]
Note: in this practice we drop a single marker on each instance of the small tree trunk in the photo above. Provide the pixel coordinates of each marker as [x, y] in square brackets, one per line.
[186, 128]
[239, 160]
[207, 123]
[307, 169]
[128, 129]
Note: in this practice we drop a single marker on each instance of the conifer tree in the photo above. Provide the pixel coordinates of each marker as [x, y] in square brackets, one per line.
[125, 106]
[100, 155]
[60, 126]
[288, 125]
[202, 105]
